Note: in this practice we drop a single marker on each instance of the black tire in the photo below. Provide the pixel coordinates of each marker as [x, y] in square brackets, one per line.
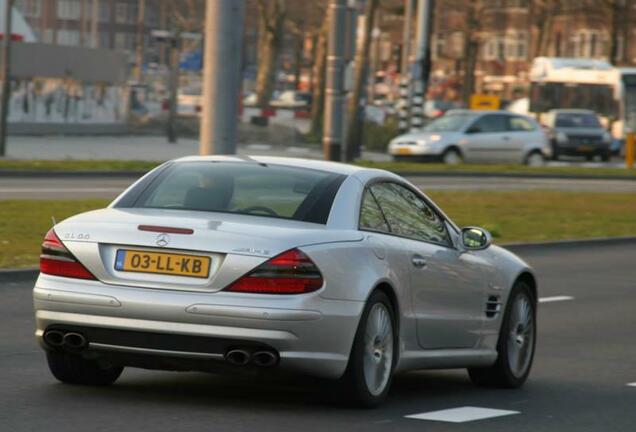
[500, 374]
[452, 151]
[73, 369]
[555, 152]
[606, 156]
[353, 387]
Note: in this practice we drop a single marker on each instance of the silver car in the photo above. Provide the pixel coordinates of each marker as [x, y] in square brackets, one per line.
[475, 136]
[230, 263]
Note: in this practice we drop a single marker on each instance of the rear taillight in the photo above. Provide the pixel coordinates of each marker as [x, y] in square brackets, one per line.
[56, 260]
[291, 272]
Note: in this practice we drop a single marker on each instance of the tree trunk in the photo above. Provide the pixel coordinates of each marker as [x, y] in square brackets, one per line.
[300, 44]
[615, 31]
[266, 70]
[354, 117]
[272, 21]
[319, 75]
[471, 50]
[470, 63]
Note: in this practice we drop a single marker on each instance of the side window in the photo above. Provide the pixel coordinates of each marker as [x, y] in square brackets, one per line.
[371, 217]
[520, 124]
[490, 123]
[408, 215]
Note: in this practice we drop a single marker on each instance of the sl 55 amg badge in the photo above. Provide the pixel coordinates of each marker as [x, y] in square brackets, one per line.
[78, 236]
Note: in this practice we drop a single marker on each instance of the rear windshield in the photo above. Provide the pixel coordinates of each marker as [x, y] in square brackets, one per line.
[242, 188]
[577, 120]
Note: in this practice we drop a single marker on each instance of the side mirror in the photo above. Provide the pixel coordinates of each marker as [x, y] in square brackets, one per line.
[475, 238]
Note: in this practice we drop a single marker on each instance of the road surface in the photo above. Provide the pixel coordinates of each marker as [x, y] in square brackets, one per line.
[584, 363]
[110, 187]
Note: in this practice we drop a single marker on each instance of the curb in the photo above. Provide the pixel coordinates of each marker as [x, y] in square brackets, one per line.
[475, 174]
[80, 174]
[569, 244]
[31, 273]
[25, 274]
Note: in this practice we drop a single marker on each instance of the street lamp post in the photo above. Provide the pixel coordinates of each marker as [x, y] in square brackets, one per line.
[5, 75]
[221, 76]
[334, 90]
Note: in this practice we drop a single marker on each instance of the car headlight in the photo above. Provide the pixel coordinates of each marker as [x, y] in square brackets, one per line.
[435, 138]
[421, 142]
[561, 137]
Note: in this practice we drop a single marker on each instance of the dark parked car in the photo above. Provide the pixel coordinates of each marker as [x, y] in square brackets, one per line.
[577, 132]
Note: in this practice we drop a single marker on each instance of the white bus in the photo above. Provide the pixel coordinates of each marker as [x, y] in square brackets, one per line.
[558, 82]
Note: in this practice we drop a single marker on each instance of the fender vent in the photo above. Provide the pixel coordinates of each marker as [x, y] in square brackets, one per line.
[493, 306]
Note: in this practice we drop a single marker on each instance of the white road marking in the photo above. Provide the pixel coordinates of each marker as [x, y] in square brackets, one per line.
[554, 299]
[462, 414]
[32, 190]
[631, 384]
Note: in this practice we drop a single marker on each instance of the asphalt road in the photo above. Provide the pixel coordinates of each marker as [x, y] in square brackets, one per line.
[110, 187]
[585, 359]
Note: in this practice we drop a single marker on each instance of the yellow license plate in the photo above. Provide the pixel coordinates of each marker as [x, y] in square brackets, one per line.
[162, 263]
[404, 151]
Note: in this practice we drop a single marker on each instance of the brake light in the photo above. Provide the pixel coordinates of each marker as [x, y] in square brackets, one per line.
[56, 260]
[291, 272]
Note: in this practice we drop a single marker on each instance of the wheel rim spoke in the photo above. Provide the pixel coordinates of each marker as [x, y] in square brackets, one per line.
[521, 336]
[378, 349]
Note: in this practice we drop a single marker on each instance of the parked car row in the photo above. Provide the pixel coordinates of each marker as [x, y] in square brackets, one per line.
[503, 136]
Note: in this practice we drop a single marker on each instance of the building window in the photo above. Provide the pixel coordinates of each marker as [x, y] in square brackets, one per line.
[104, 12]
[590, 44]
[30, 8]
[125, 41]
[69, 9]
[68, 37]
[104, 39]
[457, 44]
[620, 48]
[516, 46]
[439, 45]
[125, 13]
[495, 48]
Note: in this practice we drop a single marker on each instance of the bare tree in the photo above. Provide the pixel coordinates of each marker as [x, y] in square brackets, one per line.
[319, 75]
[472, 41]
[617, 12]
[542, 14]
[272, 15]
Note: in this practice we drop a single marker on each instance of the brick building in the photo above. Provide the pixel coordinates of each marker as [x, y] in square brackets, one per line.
[69, 22]
[509, 38]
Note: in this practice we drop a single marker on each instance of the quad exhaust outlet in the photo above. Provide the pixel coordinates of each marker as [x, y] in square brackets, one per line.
[61, 338]
[243, 357]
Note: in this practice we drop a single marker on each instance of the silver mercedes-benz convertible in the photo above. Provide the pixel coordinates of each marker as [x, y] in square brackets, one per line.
[231, 263]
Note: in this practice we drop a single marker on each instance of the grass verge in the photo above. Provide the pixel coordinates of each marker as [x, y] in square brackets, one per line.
[510, 216]
[23, 224]
[123, 165]
[77, 165]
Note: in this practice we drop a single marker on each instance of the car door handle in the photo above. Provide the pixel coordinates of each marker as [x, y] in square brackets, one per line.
[418, 261]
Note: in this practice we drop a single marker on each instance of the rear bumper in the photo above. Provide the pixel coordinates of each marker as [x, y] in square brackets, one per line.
[311, 334]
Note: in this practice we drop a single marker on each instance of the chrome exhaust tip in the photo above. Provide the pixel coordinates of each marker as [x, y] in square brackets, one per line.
[238, 357]
[54, 338]
[74, 340]
[265, 358]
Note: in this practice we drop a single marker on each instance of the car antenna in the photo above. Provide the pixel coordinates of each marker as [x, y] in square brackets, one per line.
[53, 220]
